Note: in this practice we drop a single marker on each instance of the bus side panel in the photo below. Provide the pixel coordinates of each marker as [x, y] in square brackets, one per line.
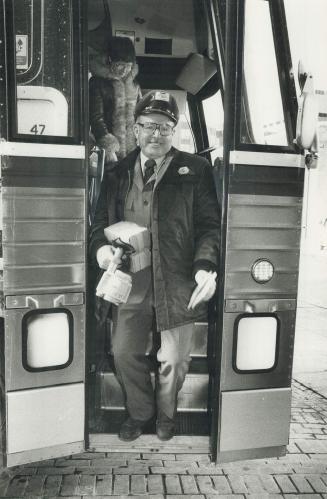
[43, 225]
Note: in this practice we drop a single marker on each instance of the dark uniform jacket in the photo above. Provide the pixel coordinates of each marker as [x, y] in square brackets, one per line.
[185, 227]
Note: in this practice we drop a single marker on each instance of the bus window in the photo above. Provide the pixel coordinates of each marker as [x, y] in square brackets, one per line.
[183, 138]
[262, 114]
[43, 43]
[214, 116]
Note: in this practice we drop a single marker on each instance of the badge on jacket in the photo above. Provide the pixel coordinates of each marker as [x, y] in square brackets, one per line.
[183, 170]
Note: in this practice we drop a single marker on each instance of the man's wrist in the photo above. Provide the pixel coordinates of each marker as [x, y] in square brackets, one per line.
[203, 264]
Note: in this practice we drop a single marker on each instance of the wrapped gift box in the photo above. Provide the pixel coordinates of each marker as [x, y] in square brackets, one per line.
[136, 236]
[130, 233]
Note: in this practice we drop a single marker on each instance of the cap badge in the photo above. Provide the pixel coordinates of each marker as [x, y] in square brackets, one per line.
[183, 170]
[163, 96]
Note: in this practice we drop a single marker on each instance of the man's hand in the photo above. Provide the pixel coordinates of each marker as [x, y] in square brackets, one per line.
[104, 256]
[206, 286]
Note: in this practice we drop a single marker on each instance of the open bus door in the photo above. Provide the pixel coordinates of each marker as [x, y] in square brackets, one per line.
[43, 229]
[262, 185]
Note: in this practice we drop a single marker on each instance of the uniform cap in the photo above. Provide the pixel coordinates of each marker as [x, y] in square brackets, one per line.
[158, 101]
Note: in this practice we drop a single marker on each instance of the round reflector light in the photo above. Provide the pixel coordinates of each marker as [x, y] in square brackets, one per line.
[262, 271]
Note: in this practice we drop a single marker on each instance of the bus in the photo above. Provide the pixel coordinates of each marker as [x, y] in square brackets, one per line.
[229, 66]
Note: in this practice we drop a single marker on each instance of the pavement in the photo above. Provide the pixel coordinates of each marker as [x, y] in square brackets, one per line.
[310, 349]
[302, 473]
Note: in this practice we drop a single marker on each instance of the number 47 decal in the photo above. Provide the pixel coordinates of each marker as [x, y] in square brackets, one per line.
[37, 129]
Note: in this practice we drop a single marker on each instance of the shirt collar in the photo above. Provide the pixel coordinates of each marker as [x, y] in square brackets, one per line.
[144, 158]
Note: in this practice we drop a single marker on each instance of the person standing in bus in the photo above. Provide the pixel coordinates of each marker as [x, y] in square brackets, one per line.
[113, 94]
[172, 193]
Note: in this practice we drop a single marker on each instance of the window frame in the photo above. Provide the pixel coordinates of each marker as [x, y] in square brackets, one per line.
[285, 76]
[42, 311]
[235, 342]
[76, 104]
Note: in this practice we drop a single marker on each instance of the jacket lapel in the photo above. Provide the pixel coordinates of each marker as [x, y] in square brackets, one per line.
[164, 167]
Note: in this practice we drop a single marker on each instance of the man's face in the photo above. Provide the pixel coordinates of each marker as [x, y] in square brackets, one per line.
[152, 143]
[121, 68]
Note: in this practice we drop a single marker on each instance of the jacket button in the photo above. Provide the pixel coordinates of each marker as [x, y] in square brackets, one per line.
[145, 202]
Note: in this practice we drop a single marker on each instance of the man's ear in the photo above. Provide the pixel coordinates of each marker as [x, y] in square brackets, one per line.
[136, 131]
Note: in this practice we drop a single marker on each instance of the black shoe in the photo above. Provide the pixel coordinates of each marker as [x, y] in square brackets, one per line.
[131, 429]
[165, 427]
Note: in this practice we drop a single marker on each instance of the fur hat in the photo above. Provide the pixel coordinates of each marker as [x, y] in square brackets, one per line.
[121, 48]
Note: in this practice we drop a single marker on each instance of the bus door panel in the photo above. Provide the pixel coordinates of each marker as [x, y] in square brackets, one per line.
[43, 191]
[261, 189]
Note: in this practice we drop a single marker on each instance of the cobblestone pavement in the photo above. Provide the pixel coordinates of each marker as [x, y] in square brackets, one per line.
[302, 473]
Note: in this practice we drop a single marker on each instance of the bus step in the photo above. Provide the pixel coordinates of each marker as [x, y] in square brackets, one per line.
[192, 397]
[187, 423]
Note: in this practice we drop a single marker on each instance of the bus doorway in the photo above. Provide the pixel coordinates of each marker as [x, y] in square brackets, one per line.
[168, 59]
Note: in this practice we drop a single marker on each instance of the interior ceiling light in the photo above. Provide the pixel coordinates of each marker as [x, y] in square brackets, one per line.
[262, 270]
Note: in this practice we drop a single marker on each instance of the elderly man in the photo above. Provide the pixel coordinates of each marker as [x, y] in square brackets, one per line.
[172, 193]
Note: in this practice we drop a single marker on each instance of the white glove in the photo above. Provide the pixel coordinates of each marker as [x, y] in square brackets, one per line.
[105, 255]
[206, 286]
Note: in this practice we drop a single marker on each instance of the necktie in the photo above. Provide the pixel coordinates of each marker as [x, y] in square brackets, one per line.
[148, 169]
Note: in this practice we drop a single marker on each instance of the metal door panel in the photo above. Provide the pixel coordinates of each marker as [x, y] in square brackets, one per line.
[17, 377]
[45, 417]
[280, 376]
[263, 238]
[37, 221]
[242, 260]
[264, 211]
[36, 278]
[241, 282]
[43, 253]
[44, 180]
[262, 203]
[29, 205]
[50, 231]
[252, 419]
[266, 227]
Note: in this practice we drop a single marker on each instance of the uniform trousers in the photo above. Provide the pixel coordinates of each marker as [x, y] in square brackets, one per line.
[133, 325]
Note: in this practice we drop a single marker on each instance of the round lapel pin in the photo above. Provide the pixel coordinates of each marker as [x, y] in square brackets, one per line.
[184, 170]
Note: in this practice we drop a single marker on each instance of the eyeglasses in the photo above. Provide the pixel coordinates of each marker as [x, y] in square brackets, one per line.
[164, 129]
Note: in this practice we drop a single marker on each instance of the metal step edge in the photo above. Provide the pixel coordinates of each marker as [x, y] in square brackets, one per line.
[104, 442]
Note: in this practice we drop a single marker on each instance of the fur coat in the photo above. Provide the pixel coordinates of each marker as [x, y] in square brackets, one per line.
[112, 102]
